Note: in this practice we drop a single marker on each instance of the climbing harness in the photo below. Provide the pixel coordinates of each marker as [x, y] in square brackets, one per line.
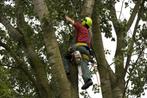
[81, 44]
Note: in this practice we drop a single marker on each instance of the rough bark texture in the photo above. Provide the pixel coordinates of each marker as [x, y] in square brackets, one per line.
[14, 34]
[102, 63]
[53, 52]
[73, 79]
[38, 67]
[87, 8]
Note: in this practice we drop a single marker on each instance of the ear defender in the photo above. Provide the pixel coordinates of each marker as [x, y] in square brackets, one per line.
[84, 21]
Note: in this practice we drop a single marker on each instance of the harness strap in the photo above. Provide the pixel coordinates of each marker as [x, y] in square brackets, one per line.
[81, 44]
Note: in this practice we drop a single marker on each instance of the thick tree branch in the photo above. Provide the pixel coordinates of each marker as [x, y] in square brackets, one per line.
[119, 54]
[19, 64]
[41, 11]
[119, 70]
[133, 15]
[106, 74]
[13, 32]
[53, 53]
[37, 65]
[29, 75]
[130, 47]
[114, 20]
[87, 8]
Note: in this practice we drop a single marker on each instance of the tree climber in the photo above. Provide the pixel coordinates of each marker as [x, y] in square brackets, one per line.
[82, 44]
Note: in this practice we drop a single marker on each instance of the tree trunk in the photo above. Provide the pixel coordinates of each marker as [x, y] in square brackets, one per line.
[102, 64]
[37, 66]
[73, 78]
[87, 8]
[62, 89]
[119, 86]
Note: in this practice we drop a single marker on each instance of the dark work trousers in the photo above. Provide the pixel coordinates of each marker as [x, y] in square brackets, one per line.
[83, 63]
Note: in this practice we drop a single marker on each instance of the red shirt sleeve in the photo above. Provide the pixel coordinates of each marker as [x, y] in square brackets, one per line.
[77, 25]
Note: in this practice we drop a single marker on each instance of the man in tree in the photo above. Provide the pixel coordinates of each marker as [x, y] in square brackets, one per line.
[82, 44]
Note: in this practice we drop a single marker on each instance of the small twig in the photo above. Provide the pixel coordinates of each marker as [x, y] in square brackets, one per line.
[121, 9]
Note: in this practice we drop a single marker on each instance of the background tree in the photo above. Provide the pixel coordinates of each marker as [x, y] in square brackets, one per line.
[31, 61]
[114, 84]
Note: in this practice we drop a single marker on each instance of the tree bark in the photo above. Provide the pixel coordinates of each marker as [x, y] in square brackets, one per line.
[37, 66]
[101, 61]
[87, 8]
[14, 34]
[58, 73]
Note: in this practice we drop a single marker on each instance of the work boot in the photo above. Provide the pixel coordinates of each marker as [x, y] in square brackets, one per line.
[87, 84]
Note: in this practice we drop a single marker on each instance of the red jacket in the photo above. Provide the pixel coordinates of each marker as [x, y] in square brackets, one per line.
[82, 34]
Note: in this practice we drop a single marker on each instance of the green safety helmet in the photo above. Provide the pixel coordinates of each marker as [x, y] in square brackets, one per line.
[87, 21]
